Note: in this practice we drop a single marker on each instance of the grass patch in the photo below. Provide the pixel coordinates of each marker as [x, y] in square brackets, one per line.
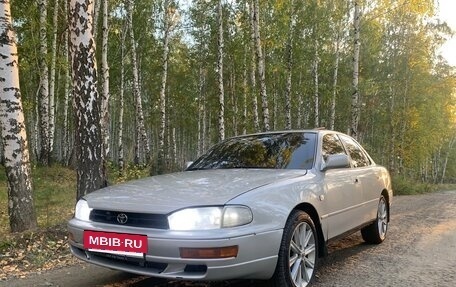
[54, 193]
[406, 186]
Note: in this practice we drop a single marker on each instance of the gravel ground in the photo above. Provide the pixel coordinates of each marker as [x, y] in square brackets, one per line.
[420, 250]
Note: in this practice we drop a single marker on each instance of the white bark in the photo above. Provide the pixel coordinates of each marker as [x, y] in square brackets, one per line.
[256, 120]
[66, 94]
[89, 147]
[332, 118]
[289, 59]
[14, 137]
[120, 147]
[44, 86]
[141, 134]
[161, 164]
[244, 95]
[353, 131]
[202, 118]
[96, 15]
[52, 107]
[316, 85]
[261, 66]
[105, 83]
[219, 70]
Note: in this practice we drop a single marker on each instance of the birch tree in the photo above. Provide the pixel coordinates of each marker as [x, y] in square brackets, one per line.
[261, 66]
[167, 25]
[141, 134]
[256, 120]
[289, 59]
[120, 144]
[90, 169]
[52, 105]
[14, 137]
[219, 70]
[105, 82]
[44, 87]
[66, 93]
[353, 130]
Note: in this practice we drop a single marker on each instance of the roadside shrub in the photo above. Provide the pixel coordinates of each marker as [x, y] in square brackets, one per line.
[406, 186]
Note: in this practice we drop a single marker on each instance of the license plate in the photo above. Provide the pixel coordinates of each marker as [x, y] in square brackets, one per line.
[112, 242]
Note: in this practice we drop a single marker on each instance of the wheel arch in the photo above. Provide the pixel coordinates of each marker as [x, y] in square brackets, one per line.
[310, 209]
[387, 198]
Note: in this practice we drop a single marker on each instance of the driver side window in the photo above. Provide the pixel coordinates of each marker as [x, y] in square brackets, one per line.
[331, 145]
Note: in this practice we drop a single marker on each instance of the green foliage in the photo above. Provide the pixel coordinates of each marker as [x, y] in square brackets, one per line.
[406, 186]
[131, 172]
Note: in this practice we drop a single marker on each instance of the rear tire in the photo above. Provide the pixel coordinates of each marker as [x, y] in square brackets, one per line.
[298, 254]
[376, 232]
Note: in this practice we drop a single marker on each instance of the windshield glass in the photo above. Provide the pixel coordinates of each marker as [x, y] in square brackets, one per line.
[280, 151]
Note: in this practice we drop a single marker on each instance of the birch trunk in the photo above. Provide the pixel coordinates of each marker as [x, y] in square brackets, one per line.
[21, 211]
[202, 112]
[256, 120]
[105, 84]
[120, 147]
[219, 70]
[289, 71]
[332, 118]
[52, 107]
[261, 67]
[96, 15]
[451, 143]
[300, 103]
[161, 164]
[316, 86]
[141, 134]
[244, 95]
[89, 146]
[66, 94]
[44, 87]
[353, 131]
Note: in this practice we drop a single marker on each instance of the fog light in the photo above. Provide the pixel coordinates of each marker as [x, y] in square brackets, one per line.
[209, 253]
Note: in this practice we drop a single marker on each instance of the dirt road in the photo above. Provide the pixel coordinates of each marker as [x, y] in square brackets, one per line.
[420, 250]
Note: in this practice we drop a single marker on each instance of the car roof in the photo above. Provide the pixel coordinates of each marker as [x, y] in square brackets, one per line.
[316, 130]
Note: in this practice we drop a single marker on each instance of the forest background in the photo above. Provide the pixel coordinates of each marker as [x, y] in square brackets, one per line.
[175, 77]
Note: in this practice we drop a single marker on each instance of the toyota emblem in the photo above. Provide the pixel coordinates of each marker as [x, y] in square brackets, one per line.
[122, 218]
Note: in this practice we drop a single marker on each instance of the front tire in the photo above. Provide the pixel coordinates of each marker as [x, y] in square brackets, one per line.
[376, 232]
[298, 252]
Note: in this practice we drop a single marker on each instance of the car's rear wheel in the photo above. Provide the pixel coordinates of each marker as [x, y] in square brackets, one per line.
[376, 232]
[298, 252]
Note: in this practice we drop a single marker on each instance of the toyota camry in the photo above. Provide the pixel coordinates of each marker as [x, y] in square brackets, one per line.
[260, 206]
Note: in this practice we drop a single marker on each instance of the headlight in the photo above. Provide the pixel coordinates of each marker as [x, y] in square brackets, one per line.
[82, 210]
[205, 218]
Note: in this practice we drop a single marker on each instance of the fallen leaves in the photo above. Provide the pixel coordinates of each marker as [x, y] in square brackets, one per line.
[38, 251]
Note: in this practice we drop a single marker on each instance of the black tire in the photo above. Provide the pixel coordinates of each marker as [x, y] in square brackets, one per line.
[376, 232]
[297, 261]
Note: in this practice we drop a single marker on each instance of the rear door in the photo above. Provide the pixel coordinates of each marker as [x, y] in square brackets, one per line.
[342, 190]
[365, 176]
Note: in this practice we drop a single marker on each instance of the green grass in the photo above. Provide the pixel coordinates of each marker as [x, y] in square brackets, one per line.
[54, 196]
[407, 186]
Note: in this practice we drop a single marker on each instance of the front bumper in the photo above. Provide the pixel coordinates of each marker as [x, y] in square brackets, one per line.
[256, 259]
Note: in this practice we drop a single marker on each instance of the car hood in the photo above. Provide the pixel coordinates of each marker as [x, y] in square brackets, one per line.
[166, 193]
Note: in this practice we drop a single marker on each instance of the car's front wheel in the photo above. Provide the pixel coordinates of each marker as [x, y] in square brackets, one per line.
[298, 252]
[376, 232]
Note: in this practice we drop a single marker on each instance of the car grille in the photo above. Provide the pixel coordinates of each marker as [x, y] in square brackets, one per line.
[158, 221]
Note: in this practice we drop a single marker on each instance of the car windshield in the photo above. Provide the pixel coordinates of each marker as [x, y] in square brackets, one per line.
[278, 151]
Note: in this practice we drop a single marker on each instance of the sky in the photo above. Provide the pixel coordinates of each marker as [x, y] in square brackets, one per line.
[447, 9]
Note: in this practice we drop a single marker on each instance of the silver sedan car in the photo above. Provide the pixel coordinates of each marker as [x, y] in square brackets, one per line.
[260, 206]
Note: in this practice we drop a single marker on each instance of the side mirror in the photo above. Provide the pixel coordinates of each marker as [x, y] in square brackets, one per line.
[188, 163]
[335, 161]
